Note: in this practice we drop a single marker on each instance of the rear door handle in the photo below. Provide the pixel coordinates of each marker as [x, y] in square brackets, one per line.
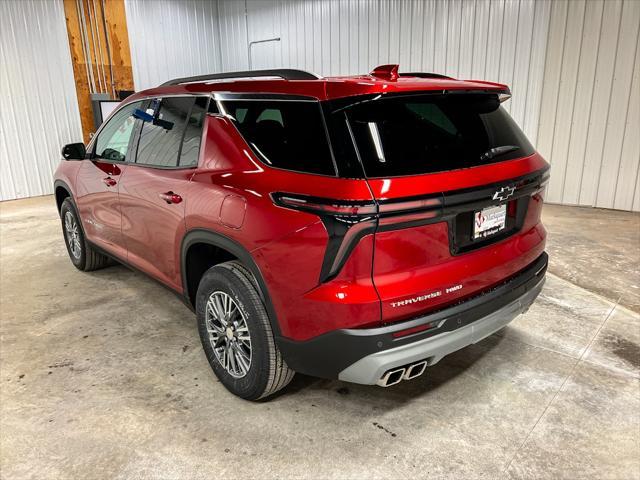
[170, 197]
[109, 182]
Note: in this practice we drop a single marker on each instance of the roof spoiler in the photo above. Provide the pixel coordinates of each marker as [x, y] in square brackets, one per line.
[284, 73]
[425, 75]
[390, 72]
[503, 91]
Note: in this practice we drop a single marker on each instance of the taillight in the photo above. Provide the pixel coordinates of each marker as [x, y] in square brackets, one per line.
[325, 206]
[347, 221]
[356, 208]
[411, 205]
[540, 194]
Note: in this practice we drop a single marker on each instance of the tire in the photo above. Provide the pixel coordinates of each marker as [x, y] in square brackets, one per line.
[266, 371]
[82, 255]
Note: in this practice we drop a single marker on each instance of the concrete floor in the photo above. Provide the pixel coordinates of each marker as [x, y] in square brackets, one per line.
[102, 375]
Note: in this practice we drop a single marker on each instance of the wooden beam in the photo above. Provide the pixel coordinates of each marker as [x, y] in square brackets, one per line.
[96, 58]
[119, 41]
[79, 67]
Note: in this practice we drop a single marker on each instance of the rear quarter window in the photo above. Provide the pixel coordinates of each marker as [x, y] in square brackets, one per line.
[286, 134]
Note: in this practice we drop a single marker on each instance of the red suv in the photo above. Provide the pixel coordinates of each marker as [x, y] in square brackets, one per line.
[358, 228]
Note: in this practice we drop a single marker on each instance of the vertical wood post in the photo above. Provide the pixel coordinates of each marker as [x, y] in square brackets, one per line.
[97, 52]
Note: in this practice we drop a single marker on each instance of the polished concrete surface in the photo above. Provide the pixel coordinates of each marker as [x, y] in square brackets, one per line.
[102, 376]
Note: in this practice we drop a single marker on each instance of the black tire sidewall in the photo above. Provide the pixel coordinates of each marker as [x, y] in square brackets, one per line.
[226, 280]
[68, 206]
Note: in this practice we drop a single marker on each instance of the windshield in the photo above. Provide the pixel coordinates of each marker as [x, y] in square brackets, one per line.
[420, 134]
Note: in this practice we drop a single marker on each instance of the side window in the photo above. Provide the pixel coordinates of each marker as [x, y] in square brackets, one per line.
[113, 140]
[160, 139]
[193, 134]
[285, 134]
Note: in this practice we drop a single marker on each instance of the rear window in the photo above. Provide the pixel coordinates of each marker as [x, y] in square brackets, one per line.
[284, 134]
[421, 134]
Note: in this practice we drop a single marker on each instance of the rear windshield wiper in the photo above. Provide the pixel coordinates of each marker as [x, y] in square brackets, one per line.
[494, 152]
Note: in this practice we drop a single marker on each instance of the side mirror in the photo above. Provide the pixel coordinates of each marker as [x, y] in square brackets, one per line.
[74, 151]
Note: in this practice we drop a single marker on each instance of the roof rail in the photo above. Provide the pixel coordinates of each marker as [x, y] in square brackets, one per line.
[425, 75]
[284, 73]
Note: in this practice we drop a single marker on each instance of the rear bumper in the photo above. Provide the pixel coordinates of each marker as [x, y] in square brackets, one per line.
[364, 355]
[369, 369]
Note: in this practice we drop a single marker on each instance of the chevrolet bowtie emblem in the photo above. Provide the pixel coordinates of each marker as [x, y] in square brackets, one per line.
[503, 193]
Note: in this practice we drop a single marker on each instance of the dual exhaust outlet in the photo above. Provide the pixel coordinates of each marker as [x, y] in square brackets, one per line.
[392, 377]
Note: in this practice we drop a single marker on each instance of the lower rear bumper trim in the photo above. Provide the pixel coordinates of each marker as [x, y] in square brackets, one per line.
[369, 370]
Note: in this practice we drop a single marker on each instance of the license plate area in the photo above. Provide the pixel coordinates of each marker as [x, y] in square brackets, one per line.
[464, 236]
[489, 221]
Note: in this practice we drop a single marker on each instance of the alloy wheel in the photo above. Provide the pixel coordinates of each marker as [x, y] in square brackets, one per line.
[228, 333]
[73, 235]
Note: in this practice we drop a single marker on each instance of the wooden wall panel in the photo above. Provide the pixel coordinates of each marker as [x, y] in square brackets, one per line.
[79, 67]
[92, 68]
[116, 19]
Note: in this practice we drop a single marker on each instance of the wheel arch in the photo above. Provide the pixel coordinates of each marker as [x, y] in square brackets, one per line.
[61, 191]
[208, 237]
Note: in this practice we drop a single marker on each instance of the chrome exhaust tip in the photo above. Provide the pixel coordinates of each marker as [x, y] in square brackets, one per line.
[415, 370]
[392, 377]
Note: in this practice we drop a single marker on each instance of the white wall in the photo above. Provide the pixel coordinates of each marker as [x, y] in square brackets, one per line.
[573, 68]
[170, 39]
[490, 40]
[38, 105]
[590, 110]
